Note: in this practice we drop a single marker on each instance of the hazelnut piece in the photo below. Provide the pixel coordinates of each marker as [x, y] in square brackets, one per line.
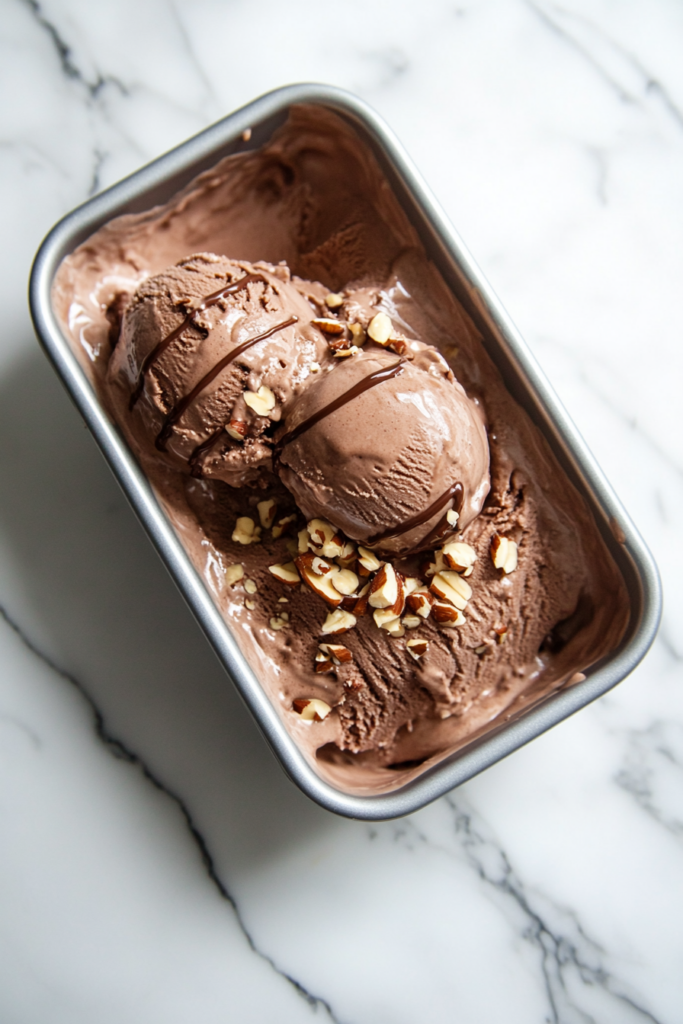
[311, 709]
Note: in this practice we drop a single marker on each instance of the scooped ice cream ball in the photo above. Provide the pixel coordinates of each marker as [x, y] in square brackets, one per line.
[385, 449]
[210, 351]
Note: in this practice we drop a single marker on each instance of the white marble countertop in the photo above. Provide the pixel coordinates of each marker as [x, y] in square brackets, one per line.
[155, 864]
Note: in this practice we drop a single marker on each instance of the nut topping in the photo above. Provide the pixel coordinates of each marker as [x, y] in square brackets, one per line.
[233, 574]
[334, 300]
[250, 587]
[385, 588]
[420, 601]
[385, 618]
[311, 709]
[344, 353]
[325, 538]
[279, 621]
[417, 648]
[283, 524]
[411, 621]
[236, 429]
[451, 587]
[348, 555]
[452, 517]
[320, 583]
[358, 334]
[337, 652]
[504, 553]
[286, 574]
[346, 582]
[368, 559]
[380, 328]
[358, 605]
[262, 402]
[302, 541]
[446, 615]
[246, 531]
[459, 556]
[338, 622]
[328, 325]
[266, 512]
[319, 566]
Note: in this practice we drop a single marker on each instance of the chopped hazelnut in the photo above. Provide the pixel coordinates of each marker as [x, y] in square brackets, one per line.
[368, 559]
[344, 353]
[504, 553]
[458, 555]
[236, 429]
[319, 576]
[348, 555]
[417, 648]
[338, 652]
[385, 588]
[338, 622]
[420, 601]
[446, 615]
[266, 512]
[250, 587]
[328, 325]
[386, 619]
[302, 541]
[345, 581]
[279, 621]
[311, 709]
[233, 574]
[380, 328]
[286, 574]
[262, 402]
[246, 531]
[334, 300]
[452, 587]
[358, 334]
[282, 525]
[325, 538]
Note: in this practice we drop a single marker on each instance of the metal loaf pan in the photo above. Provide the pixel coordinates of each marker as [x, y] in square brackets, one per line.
[155, 184]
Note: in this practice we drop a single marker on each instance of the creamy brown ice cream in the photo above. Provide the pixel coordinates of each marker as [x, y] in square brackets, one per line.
[404, 564]
[194, 341]
[384, 447]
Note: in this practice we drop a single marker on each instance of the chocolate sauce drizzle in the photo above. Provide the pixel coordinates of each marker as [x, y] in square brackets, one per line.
[180, 407]
[206, 303]
[454, 495]
[371, 381]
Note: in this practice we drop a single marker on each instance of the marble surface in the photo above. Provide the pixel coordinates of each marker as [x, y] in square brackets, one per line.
[155, 864]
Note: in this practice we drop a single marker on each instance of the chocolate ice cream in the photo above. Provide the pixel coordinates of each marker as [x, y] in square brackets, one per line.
[401, 557]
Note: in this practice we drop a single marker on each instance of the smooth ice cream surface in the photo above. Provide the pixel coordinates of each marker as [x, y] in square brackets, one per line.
[385, 463]
[401, 558]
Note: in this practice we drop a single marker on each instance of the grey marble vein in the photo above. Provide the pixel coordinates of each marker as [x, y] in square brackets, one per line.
[95, 86]
[558, 19]
[121, 751]
[571, 962]
[654, 757]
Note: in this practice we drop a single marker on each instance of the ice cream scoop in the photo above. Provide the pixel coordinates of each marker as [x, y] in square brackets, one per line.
[210, 352]
[390, 450]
